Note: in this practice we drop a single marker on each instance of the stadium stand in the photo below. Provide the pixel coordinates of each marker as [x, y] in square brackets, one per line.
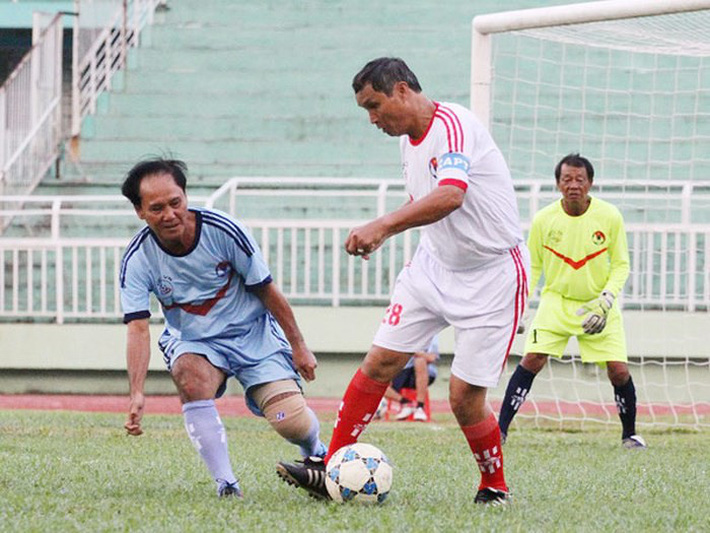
[263, 89]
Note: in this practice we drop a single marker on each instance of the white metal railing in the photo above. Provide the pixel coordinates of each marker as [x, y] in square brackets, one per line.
[685, 202]
[50, 216]
[660, 202]
[104, 31]
[30, 99]
[76, 278]
[30, 113]
[60, 255]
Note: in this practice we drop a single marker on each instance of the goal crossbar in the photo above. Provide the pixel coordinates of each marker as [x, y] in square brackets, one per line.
[483, 26]
[539, 17]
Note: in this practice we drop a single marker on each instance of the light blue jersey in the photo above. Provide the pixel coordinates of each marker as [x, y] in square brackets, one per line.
[207, 299]
[431, 367]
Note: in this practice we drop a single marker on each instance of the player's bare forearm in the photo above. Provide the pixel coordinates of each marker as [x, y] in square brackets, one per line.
[137, 354]
[436, 205]
[439, 203]
[137, 361]
[274, 300]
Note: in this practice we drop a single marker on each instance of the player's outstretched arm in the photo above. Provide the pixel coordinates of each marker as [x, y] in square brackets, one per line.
[274, 300]
[442, 201]
[137, 360]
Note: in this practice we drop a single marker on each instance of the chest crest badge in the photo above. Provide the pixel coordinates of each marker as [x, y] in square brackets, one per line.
[165, 285]
[598, 237]
[433, 166]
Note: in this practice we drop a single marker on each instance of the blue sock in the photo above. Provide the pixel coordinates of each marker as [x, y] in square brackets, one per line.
[311, 444]
[209, 437]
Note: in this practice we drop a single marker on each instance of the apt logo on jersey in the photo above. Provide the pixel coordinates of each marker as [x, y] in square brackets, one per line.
[223, 269]
[454, 161]
[598, 237]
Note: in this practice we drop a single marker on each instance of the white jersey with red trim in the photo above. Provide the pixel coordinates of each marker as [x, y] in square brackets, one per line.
[457, 150]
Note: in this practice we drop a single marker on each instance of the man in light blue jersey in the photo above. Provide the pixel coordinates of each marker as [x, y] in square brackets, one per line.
[224, 316]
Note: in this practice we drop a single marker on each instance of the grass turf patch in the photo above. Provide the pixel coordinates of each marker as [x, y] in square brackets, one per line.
[64, 471]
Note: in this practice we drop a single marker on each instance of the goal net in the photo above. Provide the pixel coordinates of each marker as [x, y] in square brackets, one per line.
[626, 84]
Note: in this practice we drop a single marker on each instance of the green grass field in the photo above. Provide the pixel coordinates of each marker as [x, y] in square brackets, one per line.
[65, 471]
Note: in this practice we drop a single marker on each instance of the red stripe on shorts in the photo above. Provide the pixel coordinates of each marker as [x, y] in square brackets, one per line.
[520, 296]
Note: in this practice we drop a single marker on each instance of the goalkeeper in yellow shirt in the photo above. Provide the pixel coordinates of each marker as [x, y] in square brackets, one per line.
[579, 244]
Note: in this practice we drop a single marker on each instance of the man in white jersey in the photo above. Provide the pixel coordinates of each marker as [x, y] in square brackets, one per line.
[224, 317]
[469, 270]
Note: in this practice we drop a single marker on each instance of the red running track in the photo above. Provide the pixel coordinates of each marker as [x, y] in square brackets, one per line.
[234, 405]
[231, 405]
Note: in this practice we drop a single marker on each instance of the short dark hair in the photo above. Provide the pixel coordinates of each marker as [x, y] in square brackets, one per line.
[383, 74]
[577, 161]
[158, 165]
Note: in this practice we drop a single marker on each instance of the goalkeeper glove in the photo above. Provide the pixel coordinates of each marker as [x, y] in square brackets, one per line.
[596, 312]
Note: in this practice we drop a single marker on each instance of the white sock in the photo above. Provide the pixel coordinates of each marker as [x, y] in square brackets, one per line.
[207, 433]
[311, 444]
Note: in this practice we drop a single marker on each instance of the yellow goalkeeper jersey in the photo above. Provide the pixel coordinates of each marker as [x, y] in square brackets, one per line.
[579, 256]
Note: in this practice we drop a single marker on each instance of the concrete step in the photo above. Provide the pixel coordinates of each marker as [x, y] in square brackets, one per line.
[216, 173]
[293, 16]
[240, 149]
[262, 103]
[285, 128]
[281, 81]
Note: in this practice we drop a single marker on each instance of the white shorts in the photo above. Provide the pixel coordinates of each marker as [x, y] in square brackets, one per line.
[484, 305]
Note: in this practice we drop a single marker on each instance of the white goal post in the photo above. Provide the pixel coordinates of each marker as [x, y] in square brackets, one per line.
[627, 84]
[484, 26]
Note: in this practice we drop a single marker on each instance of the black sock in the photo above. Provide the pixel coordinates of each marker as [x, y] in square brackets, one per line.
[625, 397]
[420, 405]
[515, 394]
[404, 401]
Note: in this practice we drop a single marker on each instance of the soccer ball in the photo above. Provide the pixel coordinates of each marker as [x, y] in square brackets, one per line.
[358, 472]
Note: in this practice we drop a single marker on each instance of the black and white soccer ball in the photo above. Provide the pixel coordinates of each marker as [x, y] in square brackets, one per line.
[359, 472]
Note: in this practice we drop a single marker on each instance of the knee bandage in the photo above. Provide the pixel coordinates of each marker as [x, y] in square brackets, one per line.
[285, 408]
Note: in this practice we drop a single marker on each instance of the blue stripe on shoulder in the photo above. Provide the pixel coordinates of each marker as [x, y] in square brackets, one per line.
[250, 288]
[230, 228]
[131, 249]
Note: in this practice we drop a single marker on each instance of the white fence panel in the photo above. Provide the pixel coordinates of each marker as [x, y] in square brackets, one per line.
[77, 279]
[30, 113]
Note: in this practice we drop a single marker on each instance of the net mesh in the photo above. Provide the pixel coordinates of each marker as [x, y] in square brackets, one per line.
[633, 96]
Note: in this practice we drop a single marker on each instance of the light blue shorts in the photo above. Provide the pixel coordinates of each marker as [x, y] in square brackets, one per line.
[260, 354]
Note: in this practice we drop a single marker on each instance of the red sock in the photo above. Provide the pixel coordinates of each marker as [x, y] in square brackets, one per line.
[484, 440]
[359, 404]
